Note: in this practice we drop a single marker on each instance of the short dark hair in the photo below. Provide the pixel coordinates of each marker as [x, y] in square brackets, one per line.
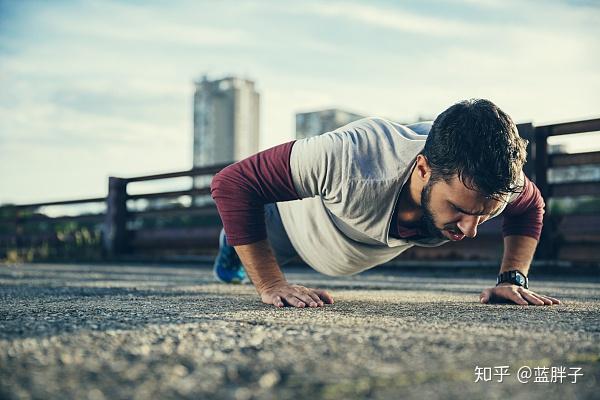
[479, 142]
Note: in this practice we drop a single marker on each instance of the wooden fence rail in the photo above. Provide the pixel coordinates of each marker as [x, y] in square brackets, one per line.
[124, 230]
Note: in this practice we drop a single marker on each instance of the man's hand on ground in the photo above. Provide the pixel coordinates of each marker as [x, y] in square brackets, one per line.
[507, 292]
[296, 296]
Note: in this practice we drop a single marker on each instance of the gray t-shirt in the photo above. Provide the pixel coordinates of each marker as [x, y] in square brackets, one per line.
[349, 180]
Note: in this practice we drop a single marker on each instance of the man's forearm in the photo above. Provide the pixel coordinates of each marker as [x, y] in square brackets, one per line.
[263, 270]
[518, 253]
[260, 264]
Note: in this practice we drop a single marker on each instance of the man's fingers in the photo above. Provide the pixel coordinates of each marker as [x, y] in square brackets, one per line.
[294, 301]
[517, 295]
[297, 296]
[274, 300]
[305, 298]
[517, 298]
[484, 297]
[317, 301]
[531, 297]
[308, 296]
[277, 302]
[324, 295]
[552, 299]
[545, 299]
[549, 300]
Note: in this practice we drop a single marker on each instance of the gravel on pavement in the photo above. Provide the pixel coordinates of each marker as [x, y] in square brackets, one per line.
[140, 332]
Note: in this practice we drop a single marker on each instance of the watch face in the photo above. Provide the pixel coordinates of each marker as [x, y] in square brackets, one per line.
[520, 279]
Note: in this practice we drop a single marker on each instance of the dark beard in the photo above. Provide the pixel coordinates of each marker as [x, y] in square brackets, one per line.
[427, 219]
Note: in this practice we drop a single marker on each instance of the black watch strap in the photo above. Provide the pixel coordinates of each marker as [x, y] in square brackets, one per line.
[513, 276]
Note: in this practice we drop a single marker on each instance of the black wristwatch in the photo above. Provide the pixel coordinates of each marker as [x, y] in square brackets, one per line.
[513, 276]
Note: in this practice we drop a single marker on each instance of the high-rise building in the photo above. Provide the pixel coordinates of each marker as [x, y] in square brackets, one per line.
[226, 122]
[318, 122]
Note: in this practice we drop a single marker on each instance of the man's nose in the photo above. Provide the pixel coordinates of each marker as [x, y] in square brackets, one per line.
[468, 225]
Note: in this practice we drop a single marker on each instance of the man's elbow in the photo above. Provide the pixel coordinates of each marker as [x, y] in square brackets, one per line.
[215, 182]
[539, 200]
[220, 181]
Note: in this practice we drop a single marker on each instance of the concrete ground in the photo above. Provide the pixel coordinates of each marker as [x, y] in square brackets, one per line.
[113, 332]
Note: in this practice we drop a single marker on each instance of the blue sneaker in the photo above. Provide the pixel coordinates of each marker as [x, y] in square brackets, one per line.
[228, 268]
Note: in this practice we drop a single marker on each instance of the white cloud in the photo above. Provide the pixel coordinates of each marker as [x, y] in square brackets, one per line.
[106, 88]
[128, 22]
[395, 19]
[149, 32]
[40, 116]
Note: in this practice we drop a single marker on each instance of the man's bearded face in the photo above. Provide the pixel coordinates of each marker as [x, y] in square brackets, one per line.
[451, 211]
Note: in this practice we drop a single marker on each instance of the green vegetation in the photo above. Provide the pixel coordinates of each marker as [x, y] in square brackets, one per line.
[39, 238]
[34, 236]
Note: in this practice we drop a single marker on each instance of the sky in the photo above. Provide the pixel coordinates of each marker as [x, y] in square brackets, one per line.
[91, 89]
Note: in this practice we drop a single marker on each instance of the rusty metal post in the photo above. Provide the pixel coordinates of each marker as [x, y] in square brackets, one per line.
[115, 223]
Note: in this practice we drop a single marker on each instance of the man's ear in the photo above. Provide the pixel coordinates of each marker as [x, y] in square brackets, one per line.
[423, 169]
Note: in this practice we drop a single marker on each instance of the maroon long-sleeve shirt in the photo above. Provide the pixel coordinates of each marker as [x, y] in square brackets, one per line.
[243, 188]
